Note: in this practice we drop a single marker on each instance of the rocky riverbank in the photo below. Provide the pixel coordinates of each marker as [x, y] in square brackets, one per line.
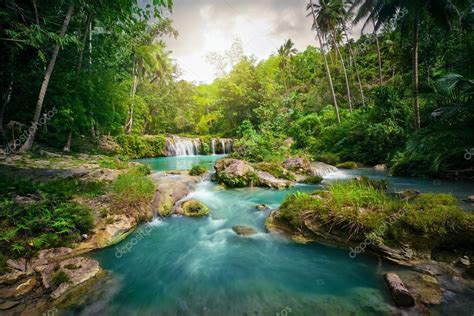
[51, 277]
[428, 233]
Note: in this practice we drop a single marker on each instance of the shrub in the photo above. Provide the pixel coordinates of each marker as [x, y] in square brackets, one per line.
[249, 179]
[329, 158]
[347, 165]
[197, 170]
[135, 146]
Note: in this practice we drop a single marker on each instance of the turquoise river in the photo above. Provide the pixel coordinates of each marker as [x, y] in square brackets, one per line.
[187, 266]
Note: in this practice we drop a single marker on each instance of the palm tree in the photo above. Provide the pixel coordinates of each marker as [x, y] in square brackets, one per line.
[286, 51]
[367, 9]
[329, 14]
[311, 6]
[442, 11]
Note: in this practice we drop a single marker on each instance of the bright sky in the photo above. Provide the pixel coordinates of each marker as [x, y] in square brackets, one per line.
[206, 26]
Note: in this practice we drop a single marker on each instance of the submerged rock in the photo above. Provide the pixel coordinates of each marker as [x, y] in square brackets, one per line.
[424, 287]
[262, 207]
[244, 230]
[400, 294]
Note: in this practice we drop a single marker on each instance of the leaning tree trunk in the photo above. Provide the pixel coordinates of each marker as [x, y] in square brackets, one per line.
[356, 67]
[328, 71]
[348, 88]
[416, 100]
[133, 91]
[44, 86]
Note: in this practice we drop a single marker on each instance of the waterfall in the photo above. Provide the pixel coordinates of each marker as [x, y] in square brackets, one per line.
[321, 169]
[223, 146]
[178, 146]
[185, 146]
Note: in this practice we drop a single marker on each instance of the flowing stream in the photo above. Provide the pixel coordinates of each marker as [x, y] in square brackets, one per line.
[189, 266]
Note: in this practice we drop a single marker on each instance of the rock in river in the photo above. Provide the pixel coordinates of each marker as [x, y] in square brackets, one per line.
[244, 230]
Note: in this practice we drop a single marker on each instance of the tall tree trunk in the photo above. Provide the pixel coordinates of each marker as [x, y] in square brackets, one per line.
[6, 100]
[328, 72]
[44, 86]
[379, 55]
[133, 91]
[348, 88]
[67, 147]
[356, 67]
[416, 101]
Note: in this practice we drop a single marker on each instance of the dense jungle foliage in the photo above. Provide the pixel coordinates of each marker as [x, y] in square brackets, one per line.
[401, 93]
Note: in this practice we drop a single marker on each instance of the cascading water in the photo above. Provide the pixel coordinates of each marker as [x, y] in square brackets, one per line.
[177, 146]
[223, 146]
[213, 145]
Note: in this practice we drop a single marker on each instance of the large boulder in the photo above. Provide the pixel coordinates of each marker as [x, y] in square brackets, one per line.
[235, 173]
[298, 165]
[171, 189]
[233, 167]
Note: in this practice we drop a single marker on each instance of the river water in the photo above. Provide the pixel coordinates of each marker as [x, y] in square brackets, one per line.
[189, 266]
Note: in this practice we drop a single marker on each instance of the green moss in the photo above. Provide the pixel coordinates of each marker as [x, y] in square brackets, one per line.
[113, 163]
[195, 208]
[197, 170]
[347, 165]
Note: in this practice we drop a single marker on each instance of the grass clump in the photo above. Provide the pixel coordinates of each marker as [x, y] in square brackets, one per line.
[118, 163]
[58, 278]
[360, 209]
[133, 188]
[347, 165]
[197, 170]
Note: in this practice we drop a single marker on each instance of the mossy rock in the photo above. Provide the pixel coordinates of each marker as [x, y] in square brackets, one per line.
[312, 180]
[347, 165]
[194, 208]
